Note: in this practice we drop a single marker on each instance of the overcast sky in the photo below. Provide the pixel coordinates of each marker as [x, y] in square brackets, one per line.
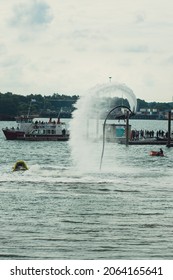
[69, 46]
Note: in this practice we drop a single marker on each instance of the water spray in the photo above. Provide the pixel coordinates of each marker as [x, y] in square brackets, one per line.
[104, 125]
[89, 114]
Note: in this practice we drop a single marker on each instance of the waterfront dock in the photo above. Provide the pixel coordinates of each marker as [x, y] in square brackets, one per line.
[147, 141]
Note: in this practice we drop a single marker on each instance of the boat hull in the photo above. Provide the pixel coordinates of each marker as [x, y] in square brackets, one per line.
[13, 134]
[44, 138]
[20, 135]
[156, 154]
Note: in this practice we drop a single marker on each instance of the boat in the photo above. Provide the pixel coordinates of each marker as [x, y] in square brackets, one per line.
[20, 165]
[30, 130]
[156, 153]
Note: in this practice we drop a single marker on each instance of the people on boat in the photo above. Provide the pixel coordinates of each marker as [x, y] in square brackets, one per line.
[63, 131]
[161, 151]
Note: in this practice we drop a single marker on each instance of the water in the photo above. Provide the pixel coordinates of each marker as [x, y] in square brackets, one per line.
[61, 210]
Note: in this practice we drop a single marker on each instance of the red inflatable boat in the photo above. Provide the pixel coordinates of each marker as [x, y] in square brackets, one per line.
[156, 154]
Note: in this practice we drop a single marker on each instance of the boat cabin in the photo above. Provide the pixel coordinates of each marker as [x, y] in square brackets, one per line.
[116, 132]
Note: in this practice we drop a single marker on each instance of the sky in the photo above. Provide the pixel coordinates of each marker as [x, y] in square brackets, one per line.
[70, 46]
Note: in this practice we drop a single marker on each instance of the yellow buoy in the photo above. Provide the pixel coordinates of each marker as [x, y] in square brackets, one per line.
[20, 165]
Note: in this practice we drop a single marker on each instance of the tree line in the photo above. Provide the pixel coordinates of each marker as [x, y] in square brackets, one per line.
[12, 105]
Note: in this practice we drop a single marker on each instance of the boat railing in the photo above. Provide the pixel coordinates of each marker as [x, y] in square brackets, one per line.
[29, 128]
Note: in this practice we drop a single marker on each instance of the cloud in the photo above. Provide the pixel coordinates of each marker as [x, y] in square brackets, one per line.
[169, 60]
[2, 49]
[35, 13]
[140, 17]
[69, 46]
[137, 49]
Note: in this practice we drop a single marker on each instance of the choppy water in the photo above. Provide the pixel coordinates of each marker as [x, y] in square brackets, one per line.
[56, 211]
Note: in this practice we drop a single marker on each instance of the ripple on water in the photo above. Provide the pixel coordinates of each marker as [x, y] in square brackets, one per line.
[55, 211]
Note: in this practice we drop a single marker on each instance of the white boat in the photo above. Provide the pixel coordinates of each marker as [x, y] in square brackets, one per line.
[30, 130]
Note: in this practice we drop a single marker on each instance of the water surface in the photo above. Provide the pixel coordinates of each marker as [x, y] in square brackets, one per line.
[56, 210]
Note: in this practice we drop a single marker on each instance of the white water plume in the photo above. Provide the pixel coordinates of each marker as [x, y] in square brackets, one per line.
[87, 123]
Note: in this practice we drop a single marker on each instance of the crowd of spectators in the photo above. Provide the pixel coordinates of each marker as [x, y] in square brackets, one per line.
[144, 134]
